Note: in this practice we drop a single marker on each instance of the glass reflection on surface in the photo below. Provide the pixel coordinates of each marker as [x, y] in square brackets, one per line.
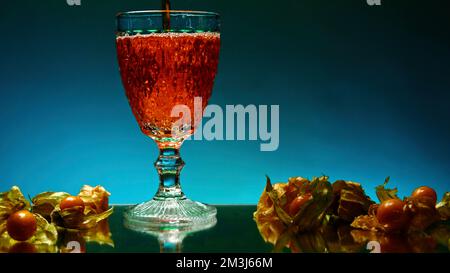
[170, 239]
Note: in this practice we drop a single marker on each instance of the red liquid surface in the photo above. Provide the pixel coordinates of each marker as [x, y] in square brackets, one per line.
[162, 70]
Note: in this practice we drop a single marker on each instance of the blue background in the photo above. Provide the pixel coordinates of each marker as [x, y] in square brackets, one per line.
[363, 93]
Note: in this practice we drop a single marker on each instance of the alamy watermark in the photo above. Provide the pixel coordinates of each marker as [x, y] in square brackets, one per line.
[374, 247]
[249, 122]
[373, 2]
[73, 2]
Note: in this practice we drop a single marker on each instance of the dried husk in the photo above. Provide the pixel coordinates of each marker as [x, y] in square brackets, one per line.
[96, 199]
[269, 224]
[95, 210]
[384, 193]
[350, 200]
[443, 207]
[75, 218]
[46, 202]
[367, 222]
[312, 214]
[276, 225]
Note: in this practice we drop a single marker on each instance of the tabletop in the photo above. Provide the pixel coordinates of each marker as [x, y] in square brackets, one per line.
[237, 232]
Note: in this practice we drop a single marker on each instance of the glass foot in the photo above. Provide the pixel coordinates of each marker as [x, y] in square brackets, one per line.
[170, 213]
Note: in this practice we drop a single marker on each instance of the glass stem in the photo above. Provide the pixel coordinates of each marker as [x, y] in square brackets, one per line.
[169, 165]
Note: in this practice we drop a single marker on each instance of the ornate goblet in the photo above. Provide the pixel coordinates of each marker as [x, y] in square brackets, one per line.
[164, 65]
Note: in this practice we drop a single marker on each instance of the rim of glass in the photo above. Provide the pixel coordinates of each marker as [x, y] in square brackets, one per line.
[138, 13]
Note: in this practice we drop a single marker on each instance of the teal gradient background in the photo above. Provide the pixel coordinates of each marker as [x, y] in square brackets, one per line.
[363, 94]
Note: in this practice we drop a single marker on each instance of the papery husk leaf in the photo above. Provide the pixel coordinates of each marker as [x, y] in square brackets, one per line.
[95, 210]
[46, 233]
[274, 196]
[284, 217]
[350, 200]
[12, 201]
[443, 207]
[95, 199]
[2, 227]
[384, 193]
[269, 224]
[273, 221]
[74, 218]
[5, 242]
[300, 183]
[44, 203]
[373, 209]
[71, 218]
[295, 187]
[91, 220]
[270, 227]
[367, 222]
[312, 213]
[352, 204]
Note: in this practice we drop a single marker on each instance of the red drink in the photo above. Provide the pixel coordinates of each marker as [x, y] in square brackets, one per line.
[162, 70]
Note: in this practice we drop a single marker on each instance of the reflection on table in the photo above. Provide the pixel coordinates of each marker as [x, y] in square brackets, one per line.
[235, 231]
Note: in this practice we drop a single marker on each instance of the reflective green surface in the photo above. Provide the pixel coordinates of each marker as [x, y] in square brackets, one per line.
[235, 231]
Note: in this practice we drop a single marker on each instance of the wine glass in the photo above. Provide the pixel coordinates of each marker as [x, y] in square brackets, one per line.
[168, 59]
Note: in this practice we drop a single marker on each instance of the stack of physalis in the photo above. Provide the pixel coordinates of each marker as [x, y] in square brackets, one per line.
[416, 223]
[319, 216]
[54, 221]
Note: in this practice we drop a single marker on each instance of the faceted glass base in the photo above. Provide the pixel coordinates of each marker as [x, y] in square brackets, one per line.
[170, 213]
